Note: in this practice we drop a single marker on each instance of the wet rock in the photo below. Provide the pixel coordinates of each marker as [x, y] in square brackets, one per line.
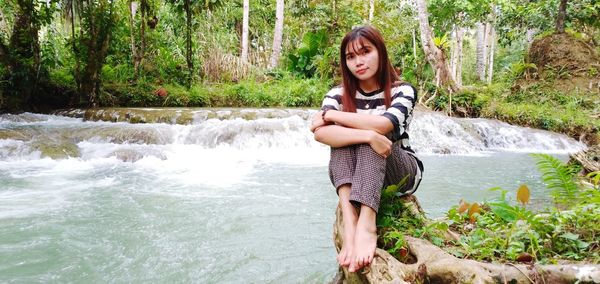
[132, 156]
[57, 150]
[14, 135]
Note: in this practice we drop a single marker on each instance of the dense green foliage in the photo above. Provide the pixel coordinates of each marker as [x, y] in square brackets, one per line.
[502, 230]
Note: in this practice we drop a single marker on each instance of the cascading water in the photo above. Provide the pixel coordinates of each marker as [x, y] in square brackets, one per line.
[227, 195]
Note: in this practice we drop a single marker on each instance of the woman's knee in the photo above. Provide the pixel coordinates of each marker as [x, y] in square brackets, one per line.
[366, 154]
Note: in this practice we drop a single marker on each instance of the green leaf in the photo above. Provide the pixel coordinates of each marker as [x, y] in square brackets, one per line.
[569, 236]
[504, 211]
[582, 245]
[559, 177]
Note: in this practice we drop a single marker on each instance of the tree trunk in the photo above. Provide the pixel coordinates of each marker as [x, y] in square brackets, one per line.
[460, 34]
[278, 34]
[142, 51]
[371, 10]
[454, 53]
[334, 9]
[138, 53]
[75, 99]
[133, 7]
[434, 55]
[96, 40]
[414, 38]
[431, 264]
[4, 60]
[188, 42]
[4, 53]
[22, 56]
[3, 23]
[560, 18]
[492, 40]
[245, 30]
[481, 52]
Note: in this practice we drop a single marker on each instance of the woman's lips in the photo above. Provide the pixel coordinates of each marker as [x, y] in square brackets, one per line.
[361, 71]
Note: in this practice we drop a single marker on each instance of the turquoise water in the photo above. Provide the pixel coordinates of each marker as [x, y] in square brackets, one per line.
[258, 209]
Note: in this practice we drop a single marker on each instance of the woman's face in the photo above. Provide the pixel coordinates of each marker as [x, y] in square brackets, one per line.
[362, 59]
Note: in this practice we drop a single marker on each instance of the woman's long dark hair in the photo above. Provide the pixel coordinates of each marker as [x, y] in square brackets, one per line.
[386, 75]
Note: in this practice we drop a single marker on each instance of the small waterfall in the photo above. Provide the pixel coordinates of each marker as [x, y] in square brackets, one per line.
[268, 134]
[439, 134]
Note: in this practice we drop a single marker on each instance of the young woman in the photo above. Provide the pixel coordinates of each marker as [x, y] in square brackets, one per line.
[365, 121]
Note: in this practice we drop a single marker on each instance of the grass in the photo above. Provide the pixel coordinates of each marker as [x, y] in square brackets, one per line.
[286, 91]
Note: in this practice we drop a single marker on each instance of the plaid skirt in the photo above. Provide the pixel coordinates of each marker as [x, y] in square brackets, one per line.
[368, 173]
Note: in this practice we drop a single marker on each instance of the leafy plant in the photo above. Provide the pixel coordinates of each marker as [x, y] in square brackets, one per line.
[301, 62]
[560, 178]
[521, 69]
[503, 229]
[442, 42]
[595, 179]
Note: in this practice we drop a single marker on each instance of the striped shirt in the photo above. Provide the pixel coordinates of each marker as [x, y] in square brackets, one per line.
[399, 113]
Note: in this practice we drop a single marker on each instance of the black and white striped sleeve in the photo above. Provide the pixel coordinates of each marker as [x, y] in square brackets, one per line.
[332, 100]
[400, 110]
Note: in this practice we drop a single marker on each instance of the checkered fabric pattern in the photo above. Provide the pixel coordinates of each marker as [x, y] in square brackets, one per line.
[368, 172]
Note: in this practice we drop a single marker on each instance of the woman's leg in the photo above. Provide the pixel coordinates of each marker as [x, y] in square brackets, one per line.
[367, 182]
[341, 169]
[359, 174]
[350, 217]
[372, 173]
[401, 166]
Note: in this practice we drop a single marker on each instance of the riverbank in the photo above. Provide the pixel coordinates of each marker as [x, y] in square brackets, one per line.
[531, 104]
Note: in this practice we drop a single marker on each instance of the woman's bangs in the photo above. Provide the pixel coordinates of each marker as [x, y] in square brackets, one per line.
[356, 44]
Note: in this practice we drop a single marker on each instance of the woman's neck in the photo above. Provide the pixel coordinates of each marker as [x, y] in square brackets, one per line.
[369, 85]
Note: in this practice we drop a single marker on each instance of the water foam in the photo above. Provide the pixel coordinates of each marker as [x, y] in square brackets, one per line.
[270, 136]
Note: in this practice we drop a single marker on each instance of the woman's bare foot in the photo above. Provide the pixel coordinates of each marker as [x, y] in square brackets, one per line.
[365, 239]
[350, 217]
[345, 256]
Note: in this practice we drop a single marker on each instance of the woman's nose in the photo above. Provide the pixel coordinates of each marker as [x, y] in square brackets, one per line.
[359, 60]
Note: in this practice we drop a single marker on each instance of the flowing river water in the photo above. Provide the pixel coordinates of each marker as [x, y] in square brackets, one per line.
[213, 195]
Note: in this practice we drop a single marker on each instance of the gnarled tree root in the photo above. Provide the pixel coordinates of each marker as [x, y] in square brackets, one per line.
[589, 159]
[434, 265]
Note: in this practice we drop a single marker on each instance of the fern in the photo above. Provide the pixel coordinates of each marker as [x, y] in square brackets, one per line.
[559, 177]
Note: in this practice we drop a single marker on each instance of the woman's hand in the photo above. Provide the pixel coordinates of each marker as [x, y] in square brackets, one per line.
[380, 144]
[317, 121]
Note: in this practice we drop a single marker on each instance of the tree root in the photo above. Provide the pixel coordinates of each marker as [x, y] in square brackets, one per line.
[589, 159]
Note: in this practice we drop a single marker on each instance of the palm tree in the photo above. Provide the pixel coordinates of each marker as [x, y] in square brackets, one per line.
[278, 34]
[246, 12]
